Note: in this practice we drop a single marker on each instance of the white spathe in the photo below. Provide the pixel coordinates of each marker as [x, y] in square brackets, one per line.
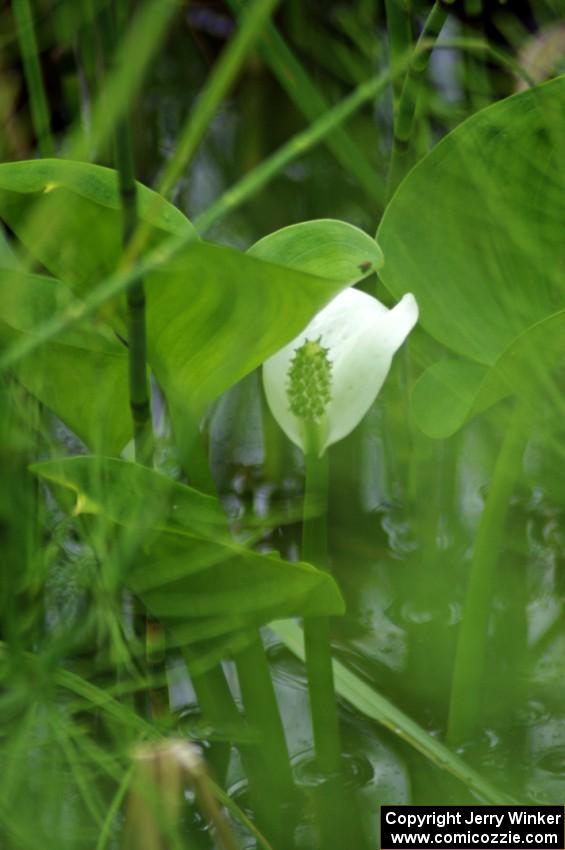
[361, 336]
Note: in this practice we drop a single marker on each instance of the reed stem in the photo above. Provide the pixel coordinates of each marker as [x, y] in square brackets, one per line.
[399, 31]
[218, 706]
[262, 712]
[140, 404]
[466, 693]
[406, 108]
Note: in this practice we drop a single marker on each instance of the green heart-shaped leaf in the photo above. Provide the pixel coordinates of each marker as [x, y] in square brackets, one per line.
[324, 247]
[68, 215]
[188, 572]
[485, 258]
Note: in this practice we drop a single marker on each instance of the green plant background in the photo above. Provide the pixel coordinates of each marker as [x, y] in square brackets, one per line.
[277, 141]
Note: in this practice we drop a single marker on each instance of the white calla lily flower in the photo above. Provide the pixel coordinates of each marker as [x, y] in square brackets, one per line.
[325, 380]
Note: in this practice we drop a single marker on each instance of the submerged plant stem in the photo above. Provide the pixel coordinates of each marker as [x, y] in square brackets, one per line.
[465, 704]
[272, 755]
[318, 657]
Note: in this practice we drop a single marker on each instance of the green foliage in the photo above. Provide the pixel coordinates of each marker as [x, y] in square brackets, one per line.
[213, 314]
[486, 263]
[371, 703]
[62, 373]
[131, 601]
[327, 248]
[68, 215]
[183, 565]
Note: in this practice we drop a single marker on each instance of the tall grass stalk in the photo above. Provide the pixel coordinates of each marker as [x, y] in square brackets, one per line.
[399, 32]
[466, 692]
[200, 118]
[219, 82]
[121, 86]
[39, 107]
[139, 399]
[308, 98]
[218, 706]
[262, 711]
[406, 107]
[112, 26]
[268, 768]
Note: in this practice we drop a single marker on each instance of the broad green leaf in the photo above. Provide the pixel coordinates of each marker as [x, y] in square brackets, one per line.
[68, 215]
[451, 392]
[372, 704]
[486, 261]
[187, 571]
[82, 376]
[214, 314]
[475, 230]
[447, 394]
[8, 258]
[134, 495]
[323, 247]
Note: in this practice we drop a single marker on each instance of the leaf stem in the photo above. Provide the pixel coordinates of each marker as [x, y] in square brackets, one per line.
[369, 702]
[218, 706]
[263, 714]
[465, 704]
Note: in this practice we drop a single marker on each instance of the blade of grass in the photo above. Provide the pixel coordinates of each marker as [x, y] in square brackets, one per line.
[105, 834]
[218, 84]
[298, 85]
[86, 789]
[257, 179]
[142, 40]
[373, 705]
[263, 714]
